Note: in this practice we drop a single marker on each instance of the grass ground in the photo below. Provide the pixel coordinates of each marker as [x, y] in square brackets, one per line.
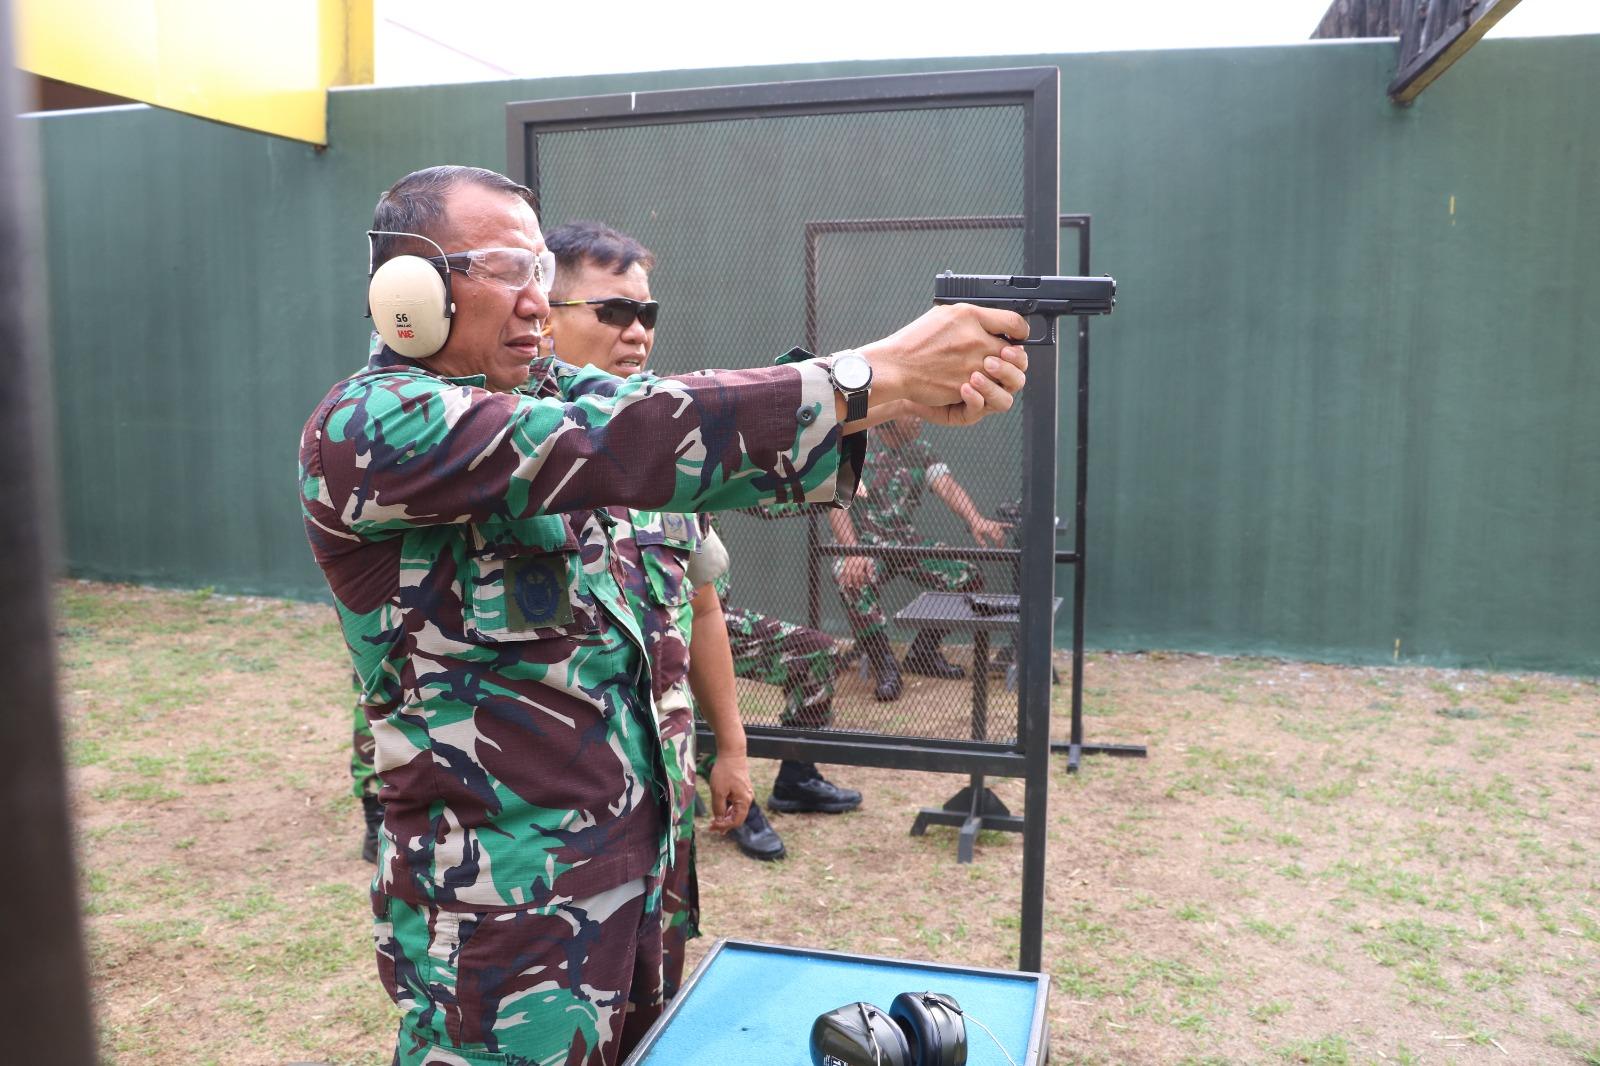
[1316, 864]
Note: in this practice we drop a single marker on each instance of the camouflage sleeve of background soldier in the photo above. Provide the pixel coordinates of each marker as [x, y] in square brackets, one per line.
[393, 450]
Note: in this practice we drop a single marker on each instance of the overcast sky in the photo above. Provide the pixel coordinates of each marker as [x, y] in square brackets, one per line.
[423, 41]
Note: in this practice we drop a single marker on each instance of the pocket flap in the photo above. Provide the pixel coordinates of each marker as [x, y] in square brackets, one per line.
[670, 529]
[509, 538]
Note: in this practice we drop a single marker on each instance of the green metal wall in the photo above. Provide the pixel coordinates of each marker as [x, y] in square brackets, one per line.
[1347, 400]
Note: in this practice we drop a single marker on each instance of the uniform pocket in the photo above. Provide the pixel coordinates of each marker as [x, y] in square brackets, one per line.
[525, 581]
[666, 543]
[416, 1050]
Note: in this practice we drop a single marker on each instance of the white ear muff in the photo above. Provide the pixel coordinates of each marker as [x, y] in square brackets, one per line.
[410, 307]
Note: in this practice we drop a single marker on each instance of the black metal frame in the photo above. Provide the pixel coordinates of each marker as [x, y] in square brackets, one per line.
[976, 807]
[1077, 558]
[1036, 91]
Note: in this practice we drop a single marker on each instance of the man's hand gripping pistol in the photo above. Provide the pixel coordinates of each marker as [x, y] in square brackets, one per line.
[1048, 297]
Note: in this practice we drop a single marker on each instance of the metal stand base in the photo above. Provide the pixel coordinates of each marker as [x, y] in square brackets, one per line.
[1074, 751]
[975, 807]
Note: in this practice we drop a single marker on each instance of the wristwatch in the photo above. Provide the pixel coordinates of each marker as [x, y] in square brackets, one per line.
[851, 374]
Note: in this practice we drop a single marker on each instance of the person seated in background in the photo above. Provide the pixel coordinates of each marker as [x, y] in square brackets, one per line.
[899, 468]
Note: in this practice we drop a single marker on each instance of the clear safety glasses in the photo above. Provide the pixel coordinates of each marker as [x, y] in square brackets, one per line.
[511, 267]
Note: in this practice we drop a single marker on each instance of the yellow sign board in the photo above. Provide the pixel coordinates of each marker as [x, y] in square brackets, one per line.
[262, 66]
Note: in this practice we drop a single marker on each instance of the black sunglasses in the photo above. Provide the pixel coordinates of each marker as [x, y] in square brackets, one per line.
[618, 311]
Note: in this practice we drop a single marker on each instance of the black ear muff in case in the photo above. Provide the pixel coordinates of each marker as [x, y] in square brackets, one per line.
[932, 1024]
[858, 1034]
[409, 300]
[921, 1029]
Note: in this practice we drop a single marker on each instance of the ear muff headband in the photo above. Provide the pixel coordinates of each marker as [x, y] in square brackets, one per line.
[409, 300]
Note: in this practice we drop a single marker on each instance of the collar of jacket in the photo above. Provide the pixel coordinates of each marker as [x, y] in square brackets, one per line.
[387, 358]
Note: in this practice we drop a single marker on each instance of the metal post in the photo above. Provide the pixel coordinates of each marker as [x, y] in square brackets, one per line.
[1041, 249]
[45, 990]
[1080, 510]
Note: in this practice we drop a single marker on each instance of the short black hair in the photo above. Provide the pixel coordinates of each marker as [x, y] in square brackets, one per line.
[415, 204]
[577, 243]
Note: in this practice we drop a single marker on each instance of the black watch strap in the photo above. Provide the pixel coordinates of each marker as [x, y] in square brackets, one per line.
[855, 405]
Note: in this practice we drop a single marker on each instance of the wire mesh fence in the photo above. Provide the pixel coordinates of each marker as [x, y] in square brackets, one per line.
[827, 230]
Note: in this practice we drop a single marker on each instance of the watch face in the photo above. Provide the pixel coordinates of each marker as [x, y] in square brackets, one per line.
[851, 372]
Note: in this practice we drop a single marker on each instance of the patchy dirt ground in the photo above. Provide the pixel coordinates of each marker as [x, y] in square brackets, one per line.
[1314, 864]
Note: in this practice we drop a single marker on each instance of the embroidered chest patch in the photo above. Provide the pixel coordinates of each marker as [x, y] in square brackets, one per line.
[538, 592]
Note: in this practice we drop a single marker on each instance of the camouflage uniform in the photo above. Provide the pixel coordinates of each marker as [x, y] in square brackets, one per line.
[364, 783]
[680, 887]
[363, 774]
[892, 485]
[492, 604]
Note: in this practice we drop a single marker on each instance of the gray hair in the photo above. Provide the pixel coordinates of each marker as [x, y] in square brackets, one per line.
[415, 204]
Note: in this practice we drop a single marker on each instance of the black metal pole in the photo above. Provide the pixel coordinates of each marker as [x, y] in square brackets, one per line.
[1080, 511]
[45, 989]
[813, 537]
[1041, 250]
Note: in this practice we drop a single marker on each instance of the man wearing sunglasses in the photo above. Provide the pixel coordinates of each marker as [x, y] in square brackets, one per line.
[467, 533]
[602, 315]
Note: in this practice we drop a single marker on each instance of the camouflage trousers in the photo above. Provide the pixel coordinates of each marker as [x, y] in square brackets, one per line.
[570, 985]
[680, 888]
[363, 773]
[802, 661]
[941, 575]
[680, 910]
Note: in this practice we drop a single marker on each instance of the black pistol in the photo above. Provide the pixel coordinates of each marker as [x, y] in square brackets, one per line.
[1050, 297]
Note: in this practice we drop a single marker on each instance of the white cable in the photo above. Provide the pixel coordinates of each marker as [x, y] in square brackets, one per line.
[877, 1052]
[996, 1039]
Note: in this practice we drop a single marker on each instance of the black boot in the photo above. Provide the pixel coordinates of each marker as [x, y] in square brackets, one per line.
[884, 668]
[756, 838]
[925, 658]
[801, 789]
[372, 811]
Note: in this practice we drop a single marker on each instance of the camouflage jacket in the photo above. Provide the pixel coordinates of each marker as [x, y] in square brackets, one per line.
[892, 484]
[482, 586]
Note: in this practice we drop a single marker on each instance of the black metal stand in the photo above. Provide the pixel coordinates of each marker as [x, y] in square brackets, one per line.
[1075, 747]
[973, 808]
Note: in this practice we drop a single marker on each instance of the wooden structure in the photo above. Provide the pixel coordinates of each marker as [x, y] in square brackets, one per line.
[1433, 33]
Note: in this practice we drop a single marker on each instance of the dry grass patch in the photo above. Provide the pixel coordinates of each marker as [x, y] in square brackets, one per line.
[1316, 864]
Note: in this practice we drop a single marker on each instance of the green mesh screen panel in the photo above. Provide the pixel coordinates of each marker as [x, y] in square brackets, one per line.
[733, 209]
